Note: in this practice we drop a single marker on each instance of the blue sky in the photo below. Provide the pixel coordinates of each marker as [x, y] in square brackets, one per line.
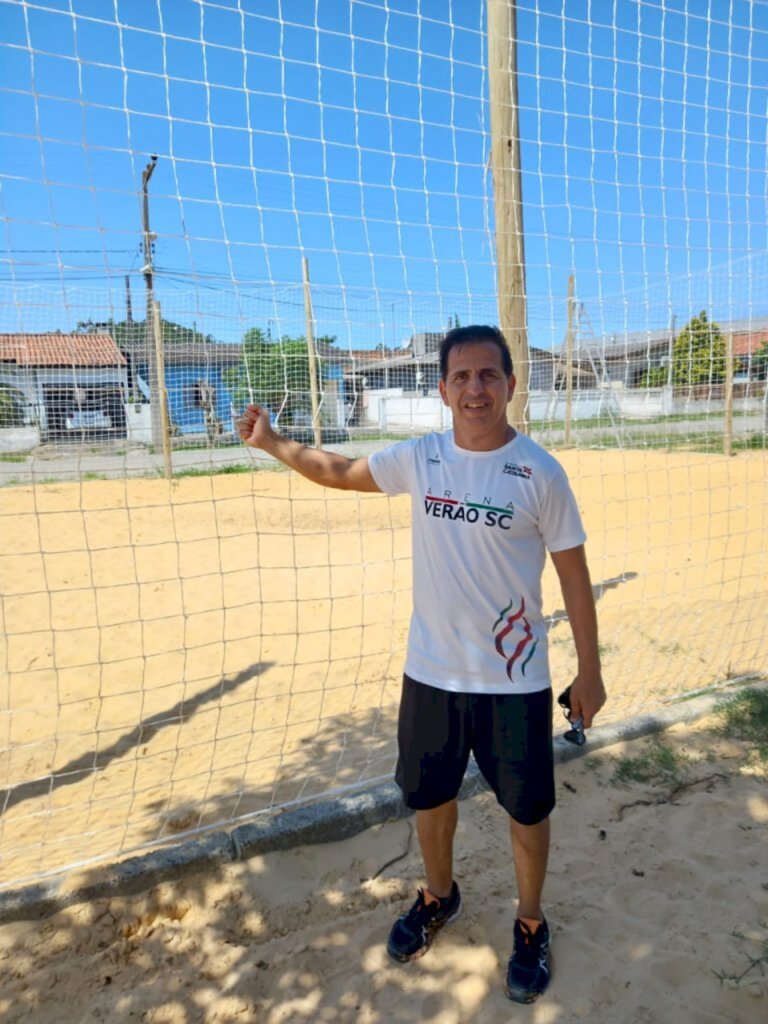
[357, 134]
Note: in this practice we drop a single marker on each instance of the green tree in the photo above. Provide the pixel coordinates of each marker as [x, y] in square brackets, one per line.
[11, 406]
[128, 333]
[656, 377]
[275, 373]
[698, 353]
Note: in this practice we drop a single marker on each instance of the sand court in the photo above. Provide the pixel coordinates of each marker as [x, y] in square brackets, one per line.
[178, 656]
[657, 898]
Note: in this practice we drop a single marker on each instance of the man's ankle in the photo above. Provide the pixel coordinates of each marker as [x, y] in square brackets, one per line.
[430, 896]
[532, 923]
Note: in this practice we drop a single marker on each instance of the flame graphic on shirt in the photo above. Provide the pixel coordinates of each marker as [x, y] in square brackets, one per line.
[510, 622]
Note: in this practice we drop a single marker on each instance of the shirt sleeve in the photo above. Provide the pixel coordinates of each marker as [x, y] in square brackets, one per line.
[390, 467]
[560, 522]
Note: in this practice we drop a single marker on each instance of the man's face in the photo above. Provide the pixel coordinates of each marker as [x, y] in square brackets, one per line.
[477, 391]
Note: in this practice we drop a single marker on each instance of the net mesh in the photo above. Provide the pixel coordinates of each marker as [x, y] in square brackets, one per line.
[190, 635]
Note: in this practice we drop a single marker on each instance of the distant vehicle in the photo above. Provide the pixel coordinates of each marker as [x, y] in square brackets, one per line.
[87, 419]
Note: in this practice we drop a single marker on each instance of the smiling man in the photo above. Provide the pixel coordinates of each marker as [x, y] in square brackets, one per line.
[487, 503]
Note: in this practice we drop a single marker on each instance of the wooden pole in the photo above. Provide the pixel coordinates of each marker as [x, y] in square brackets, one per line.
[162, 393]
[151, 339]
[508, 198]
[728, 426]
[569, 363]
[311, 354]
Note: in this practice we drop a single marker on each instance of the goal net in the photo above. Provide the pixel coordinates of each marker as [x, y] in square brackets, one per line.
[209, 203]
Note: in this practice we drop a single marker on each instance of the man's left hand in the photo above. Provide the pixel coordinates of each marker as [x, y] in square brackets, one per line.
[587, 697]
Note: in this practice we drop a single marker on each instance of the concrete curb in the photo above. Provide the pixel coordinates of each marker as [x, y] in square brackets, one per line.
[325, 822]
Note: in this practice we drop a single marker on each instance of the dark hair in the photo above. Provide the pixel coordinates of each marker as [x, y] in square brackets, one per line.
[472, 335]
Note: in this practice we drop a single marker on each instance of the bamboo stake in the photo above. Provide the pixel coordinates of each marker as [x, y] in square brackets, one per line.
[310, 321]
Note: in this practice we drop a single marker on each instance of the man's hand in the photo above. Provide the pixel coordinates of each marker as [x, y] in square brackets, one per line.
[254, 427]
[329, 469]
[587, 697]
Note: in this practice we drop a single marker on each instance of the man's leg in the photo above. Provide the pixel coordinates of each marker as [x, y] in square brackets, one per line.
[436, 829]
[433, 750]
[530, 848]
[528, 967]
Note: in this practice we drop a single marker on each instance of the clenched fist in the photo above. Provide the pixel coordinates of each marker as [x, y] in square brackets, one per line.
[254, 427]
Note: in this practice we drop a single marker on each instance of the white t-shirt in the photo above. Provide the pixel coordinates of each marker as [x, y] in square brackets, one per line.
[482, 522]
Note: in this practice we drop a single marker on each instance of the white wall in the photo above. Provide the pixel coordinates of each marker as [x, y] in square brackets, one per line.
[393, 410]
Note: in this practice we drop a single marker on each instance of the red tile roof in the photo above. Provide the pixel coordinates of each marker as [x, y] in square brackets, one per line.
[747, 342]
[60, 350]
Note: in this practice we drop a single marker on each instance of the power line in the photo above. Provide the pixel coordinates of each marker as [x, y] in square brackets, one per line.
[110, 251]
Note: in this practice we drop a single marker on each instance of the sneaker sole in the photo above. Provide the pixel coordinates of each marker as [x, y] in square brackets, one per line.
[401, 959]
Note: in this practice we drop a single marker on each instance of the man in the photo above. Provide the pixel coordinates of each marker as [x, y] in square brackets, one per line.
[487, 504]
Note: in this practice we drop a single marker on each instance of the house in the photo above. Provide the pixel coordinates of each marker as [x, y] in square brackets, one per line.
[746, 344]
[418, 368]
[625, 359]
[199, 400]
[399, 390]
[69, 385]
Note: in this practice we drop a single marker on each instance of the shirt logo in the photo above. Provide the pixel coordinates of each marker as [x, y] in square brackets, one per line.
[507, 624]
[525, 472]
[468, 511]
[434, 460]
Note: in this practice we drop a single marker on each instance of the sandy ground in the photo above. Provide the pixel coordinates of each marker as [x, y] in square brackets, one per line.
[179, 656]
[657, 899]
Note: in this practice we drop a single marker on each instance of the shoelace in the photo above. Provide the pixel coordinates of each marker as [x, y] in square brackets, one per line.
[527, 950]
[422, 912]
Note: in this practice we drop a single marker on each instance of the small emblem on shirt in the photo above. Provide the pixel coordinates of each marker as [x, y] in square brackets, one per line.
[434, 460]
[514, 470]
[514, 623]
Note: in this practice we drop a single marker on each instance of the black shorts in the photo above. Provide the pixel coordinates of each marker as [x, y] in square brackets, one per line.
[509, 734]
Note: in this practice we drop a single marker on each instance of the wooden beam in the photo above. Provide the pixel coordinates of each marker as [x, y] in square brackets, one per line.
[508, 198]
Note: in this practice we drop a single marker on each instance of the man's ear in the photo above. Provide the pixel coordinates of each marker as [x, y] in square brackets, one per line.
[441, 389]
[511, 387]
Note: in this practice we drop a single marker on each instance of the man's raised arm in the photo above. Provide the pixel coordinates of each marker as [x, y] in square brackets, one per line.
[326, 468]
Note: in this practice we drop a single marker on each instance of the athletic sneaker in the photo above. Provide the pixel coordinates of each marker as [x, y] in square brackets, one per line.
[528, 969]
[412, 934]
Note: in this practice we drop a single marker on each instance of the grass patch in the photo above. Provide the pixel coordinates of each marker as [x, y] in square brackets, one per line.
[745, 717]
[657, 764]
[11, 457]
[756, 441]
[761, 961]
[214, 471]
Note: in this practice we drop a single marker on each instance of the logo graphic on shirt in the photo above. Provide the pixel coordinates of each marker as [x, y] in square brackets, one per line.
[514, 623]
[466, 511]
[514, 470]
[433, 460]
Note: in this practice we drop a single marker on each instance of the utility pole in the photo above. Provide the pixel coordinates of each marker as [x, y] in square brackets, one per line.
[128, 304]
[129, 342]
[508, 197]
[153, 347]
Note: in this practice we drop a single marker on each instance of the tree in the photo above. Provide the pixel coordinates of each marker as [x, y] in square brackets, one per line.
[12, 404]
[698, 353]
[656, 377]
[129, 333]
[274, 373]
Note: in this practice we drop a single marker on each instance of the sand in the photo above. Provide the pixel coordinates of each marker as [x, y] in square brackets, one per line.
[657, 899]
[182, 656]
